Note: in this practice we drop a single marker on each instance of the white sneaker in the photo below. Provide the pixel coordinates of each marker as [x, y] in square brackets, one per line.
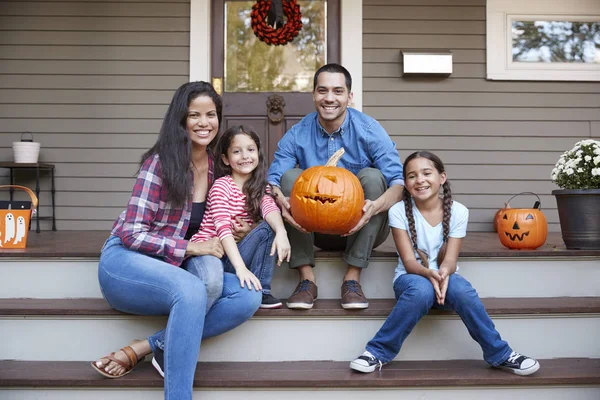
[366, 363]
[520, 364]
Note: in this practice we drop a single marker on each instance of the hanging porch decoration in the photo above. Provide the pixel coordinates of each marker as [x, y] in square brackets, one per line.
[268, 22]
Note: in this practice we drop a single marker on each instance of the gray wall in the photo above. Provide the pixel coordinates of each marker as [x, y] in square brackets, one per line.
[496, 138]
[91, 80]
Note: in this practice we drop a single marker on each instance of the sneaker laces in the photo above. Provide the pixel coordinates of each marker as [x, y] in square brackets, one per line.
[352, 286]
[373, 358]
[304, 286]
[513, 357]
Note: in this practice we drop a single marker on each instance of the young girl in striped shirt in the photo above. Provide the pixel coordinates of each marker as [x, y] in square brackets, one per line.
[241, 194]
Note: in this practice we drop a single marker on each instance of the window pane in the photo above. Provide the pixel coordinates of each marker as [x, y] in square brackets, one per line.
[254, 66]
[556, 41]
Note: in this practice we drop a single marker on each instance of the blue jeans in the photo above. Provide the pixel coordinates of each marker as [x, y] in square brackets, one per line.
[415, 296]
[139, 284]
[254, 249]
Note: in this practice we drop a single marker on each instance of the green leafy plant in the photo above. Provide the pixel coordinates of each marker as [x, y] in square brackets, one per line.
[579, 168]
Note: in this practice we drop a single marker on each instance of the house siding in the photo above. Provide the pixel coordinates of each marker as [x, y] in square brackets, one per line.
[496, 138]
[91, 80]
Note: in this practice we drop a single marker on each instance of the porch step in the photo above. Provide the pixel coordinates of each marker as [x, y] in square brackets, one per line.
[84, 329]
[323, 308]
[492, 277]
[557, 379]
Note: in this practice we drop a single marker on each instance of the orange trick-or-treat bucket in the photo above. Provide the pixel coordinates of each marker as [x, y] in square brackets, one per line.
[14, 220]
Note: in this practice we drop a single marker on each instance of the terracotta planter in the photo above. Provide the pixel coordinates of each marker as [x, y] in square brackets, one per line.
[579, 214]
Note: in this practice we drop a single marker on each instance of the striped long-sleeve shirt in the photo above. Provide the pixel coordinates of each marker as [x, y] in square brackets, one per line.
[225, 202]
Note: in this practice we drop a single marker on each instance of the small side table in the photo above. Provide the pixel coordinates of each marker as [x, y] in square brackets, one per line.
[38, 167]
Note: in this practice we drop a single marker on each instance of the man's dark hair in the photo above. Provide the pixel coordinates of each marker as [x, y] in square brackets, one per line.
[335, 69]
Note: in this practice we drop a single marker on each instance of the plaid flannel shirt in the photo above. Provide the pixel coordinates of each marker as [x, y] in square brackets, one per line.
[150, 224]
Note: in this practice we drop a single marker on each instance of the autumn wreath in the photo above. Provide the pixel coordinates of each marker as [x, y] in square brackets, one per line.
[267, 21]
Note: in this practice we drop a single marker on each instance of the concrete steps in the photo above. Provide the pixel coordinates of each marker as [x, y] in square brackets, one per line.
[460, 379]
[45, 329]
[492, 277]
[53, 322]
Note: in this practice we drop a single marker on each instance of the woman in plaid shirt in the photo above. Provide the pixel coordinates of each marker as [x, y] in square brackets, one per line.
[139, 269]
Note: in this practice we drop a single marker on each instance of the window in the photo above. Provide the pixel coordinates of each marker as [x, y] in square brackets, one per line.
[543, 40]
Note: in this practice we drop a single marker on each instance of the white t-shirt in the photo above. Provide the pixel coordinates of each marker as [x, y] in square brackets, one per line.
[429, 238]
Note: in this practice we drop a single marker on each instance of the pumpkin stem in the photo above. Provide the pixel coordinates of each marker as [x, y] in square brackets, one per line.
[335, 158]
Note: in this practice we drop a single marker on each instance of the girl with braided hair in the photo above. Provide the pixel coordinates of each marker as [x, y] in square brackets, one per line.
[428, 228]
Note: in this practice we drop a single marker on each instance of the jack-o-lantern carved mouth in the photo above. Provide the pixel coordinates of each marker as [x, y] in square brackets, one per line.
[516, 236]
[325, 185]
[322, 198]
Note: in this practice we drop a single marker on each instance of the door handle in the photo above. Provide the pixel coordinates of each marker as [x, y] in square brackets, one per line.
[275, 106]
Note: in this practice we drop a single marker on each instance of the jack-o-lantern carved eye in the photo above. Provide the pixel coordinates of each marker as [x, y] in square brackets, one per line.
[331, 178]
[529, 216]
[505, 217]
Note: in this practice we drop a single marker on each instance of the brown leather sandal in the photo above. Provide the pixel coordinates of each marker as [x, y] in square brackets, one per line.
[131, 357]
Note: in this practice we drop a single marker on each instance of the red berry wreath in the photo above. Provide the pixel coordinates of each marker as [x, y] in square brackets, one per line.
[278, 35]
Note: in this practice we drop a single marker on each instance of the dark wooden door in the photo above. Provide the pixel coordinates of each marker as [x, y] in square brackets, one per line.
[257, 78]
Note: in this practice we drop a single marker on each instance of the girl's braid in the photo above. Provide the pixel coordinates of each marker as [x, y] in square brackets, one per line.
[413, 231]
[446, 221]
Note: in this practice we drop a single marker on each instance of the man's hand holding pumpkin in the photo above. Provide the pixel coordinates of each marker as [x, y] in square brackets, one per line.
[284, 204]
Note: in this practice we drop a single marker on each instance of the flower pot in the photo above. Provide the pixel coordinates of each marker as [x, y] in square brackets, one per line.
[579, 214]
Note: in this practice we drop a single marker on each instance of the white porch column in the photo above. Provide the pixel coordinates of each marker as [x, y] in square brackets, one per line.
[200, 40]
[351, 46]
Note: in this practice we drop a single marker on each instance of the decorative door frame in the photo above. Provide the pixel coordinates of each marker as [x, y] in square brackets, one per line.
[350, 46]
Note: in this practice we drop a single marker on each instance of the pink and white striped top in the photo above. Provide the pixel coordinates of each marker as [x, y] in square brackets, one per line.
[225, 202]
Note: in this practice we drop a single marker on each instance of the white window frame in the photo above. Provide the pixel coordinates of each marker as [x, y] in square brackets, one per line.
[501, 14]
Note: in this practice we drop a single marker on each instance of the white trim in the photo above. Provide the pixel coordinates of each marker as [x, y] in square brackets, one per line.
[351, 46]
[501, 13]
[200, 40]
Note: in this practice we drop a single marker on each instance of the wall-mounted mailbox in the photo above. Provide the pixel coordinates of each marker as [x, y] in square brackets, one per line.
[426, 63]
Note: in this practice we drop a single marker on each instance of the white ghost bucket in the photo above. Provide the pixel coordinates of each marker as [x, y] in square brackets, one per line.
[15, 217]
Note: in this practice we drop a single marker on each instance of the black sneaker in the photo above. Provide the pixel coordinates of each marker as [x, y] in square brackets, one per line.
[366, 363]
[268, 301]
[520, 364]
[158, 361]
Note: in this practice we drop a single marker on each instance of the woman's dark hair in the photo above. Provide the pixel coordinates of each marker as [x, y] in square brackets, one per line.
[255, 187]
[334, 69]
[439, 166]
[174, 146]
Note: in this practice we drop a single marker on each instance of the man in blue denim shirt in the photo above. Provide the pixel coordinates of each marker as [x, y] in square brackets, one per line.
[370, 154]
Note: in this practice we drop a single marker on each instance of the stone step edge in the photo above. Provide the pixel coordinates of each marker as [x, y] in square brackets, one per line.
[322, 308]
[305, 374]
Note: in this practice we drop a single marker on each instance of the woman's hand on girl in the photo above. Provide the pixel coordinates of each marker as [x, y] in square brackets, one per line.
[211, 247]
[240, 229]
[247, 278]
[281, 245]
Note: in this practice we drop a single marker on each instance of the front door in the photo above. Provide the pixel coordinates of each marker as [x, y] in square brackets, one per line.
[266, 86]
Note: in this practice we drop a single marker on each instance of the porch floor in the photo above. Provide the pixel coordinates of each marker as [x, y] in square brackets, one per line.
[87, 244]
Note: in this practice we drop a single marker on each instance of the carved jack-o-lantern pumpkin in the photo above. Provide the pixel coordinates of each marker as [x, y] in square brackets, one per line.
[523, 228]
[327, 199]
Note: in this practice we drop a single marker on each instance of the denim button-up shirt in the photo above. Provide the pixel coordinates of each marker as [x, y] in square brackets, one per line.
[364, 140]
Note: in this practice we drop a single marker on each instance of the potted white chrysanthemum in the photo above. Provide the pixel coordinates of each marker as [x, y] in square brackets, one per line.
[577, 172]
